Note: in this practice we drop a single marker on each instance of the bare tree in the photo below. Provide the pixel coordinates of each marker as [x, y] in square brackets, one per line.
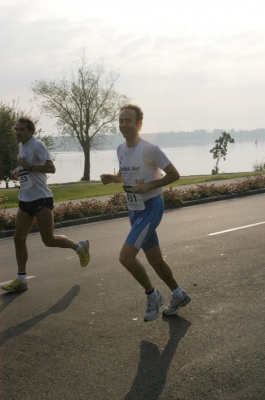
[85, 106]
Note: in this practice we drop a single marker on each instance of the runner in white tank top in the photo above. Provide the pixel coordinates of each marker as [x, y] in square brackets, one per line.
[140, 165]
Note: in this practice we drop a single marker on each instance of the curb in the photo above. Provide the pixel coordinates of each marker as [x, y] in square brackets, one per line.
[99, 218]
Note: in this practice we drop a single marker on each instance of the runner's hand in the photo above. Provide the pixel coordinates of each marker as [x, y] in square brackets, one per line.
[14, 174]
[107, 178]
[142, 188]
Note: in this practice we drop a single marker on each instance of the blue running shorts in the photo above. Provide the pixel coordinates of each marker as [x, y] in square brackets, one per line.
[144, 223]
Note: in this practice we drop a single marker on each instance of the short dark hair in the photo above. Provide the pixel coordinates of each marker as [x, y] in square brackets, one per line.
[138, 111]
[24, 119]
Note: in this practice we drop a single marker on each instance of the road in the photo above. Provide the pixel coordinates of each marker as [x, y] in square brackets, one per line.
[79, 333]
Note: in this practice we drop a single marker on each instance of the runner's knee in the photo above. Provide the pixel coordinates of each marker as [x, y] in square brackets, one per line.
[19, 240]
[122, 259]
[49, 241]
[125, 260]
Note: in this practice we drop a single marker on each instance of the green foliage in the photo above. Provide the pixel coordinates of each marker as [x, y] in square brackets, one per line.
[47, 140]
[84, 106]
[220, 149]
[259, 165]
[117, 203]
[83, 191]
[8, 142]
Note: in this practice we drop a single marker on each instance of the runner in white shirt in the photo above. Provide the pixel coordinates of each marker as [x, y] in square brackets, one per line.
[36, 202]
[140, 164]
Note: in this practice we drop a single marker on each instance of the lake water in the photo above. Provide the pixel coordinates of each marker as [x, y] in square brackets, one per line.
[189, 159]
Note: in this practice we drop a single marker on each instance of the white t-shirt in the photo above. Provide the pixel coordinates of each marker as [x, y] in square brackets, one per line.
[142, 164]
[33, 185]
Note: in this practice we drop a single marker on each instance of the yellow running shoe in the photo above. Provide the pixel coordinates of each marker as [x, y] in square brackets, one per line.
[15, 285]
[84, 253]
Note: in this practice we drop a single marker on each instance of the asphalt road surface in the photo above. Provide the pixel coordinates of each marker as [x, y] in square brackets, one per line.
[78, 333]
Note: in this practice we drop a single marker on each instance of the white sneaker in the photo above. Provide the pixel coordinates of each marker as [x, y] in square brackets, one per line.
[176, 303]
[153, 307]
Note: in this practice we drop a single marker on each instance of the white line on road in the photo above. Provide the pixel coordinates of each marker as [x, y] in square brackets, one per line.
[28, 277]
[235, 229]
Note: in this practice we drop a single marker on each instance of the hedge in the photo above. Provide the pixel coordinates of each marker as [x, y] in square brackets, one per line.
[117, 203]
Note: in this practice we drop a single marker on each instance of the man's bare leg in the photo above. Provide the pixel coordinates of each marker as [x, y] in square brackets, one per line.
[133, 265]
[154, 298]
[24, 224]
[155, 259]
[179, 297]
[46, 226]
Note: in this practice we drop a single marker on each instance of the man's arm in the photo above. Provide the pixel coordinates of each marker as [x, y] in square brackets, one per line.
[48, 168]
[111, 178]
[172, 175]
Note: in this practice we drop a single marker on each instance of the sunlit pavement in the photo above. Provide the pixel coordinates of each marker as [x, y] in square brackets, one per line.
[79, 332]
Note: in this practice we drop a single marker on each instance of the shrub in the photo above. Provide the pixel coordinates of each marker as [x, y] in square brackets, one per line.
[88, 208]
[259, 165]
[117, 203]
[175, 197]
[172, 196]
[7, 220]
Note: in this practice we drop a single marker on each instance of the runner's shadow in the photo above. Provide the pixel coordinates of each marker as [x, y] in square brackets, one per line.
[154, 365]
[21, 328]
[8, 297]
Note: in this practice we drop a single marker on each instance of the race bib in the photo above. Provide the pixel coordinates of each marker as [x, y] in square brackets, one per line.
[134, 200]
[24, 179]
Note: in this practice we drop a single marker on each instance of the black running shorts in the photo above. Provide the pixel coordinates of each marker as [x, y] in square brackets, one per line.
[34, 207]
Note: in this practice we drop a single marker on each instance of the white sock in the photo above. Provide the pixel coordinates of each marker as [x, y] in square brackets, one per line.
[178, 292]
[79, 247]
[22, 278]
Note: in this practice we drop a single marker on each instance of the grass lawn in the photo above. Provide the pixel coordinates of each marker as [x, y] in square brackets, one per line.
[82, 190]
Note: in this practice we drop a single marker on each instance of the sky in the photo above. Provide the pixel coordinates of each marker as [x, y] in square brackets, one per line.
[190, 64]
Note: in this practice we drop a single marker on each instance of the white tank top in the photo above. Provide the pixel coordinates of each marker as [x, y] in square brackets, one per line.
[135, 171]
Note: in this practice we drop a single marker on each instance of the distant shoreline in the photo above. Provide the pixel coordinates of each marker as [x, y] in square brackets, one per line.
[163, 139]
